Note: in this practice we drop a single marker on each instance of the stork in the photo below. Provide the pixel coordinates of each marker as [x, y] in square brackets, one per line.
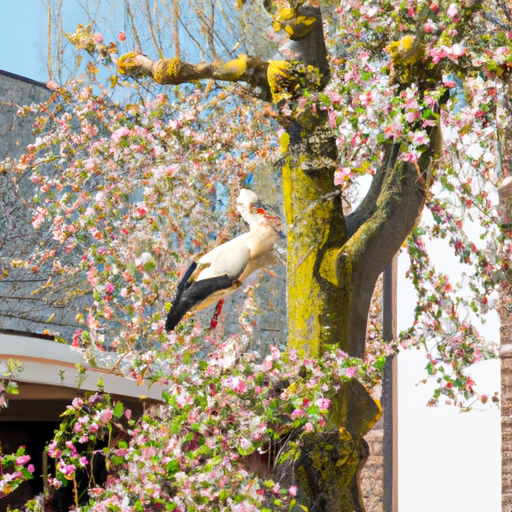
[221, 271]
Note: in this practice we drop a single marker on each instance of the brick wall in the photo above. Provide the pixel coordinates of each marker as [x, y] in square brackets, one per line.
[372, 476]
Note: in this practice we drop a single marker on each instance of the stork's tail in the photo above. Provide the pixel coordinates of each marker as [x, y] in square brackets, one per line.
[174, 316]
[197, 291]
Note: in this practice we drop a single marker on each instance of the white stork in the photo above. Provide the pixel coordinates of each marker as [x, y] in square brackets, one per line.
[224, 269]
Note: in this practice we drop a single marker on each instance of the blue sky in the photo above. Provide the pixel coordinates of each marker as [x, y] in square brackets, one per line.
[23, 28]
[23, 35]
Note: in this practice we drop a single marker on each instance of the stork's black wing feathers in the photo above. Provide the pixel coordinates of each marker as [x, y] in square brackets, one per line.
[183, 282]
[188, 296]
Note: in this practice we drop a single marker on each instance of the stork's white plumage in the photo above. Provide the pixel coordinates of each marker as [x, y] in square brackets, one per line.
[222, 270]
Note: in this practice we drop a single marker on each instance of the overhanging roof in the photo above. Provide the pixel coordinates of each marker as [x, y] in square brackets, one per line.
[49, 363]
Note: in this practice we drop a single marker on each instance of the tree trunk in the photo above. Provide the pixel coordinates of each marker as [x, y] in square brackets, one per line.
[315, 232]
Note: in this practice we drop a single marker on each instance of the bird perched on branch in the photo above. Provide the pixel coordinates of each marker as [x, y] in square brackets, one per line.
[224, 269]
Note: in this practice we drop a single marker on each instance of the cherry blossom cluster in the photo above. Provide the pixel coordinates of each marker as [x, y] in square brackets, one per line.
[14, 470]
[221, 420]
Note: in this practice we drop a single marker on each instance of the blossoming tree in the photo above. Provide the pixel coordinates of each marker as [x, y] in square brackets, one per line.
[412, 95]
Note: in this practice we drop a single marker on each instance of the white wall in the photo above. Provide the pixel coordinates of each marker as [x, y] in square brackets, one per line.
[448, 461]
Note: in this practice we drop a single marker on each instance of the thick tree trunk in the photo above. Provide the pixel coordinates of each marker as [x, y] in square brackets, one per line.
[315, 232]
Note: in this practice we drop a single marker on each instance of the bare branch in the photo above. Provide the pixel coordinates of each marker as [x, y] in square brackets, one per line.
[50, 63]
[132, 21]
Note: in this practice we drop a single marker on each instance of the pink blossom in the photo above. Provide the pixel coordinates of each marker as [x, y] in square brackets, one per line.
[352, 371]
[430, 100]
[105, 416]
[109, 287]
[39, 217]
[332, 118]
[420, 138]
[22, 459]
[245, 444]
[292, 490]
[94, 427]
[302, 102]
[98, 38]
[120, 132]
[67, 469]
[298, 413]
[77, 336]
[92, 322]
[456, 51]
[323, 403]
[77, 403]
[412, 115]
[308, 427]
[449, 83]
[241, 387]
[52, 85]
[53, 451]
[71, 446]
[429, 26]
[267, 363]
[55, 482]
[410, 157]
[275, 352]
[453, 13]
[438, 53]
[31, 468]
[342, 176]
[394, 130]
[92, 276]
[335, 97]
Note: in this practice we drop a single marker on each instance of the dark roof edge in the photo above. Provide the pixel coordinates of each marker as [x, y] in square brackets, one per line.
[22, 78]
[28, 334]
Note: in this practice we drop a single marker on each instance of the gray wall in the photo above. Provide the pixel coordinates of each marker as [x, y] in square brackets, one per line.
[20, 309]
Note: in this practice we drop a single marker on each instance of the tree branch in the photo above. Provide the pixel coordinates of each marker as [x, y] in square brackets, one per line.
[174, 71]
[392, 216]
[368, 205]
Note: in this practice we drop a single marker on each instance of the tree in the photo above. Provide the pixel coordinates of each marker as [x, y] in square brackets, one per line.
[127, 180]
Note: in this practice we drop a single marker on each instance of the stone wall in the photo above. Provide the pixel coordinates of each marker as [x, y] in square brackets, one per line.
[16, 132]
[372, 476]
[505, 312]
[20, 308]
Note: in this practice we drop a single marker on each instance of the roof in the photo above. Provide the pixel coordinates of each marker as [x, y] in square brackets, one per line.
[22, 78]
[47, 362]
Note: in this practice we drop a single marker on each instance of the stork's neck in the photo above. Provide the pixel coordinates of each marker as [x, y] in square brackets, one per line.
[265, 221]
